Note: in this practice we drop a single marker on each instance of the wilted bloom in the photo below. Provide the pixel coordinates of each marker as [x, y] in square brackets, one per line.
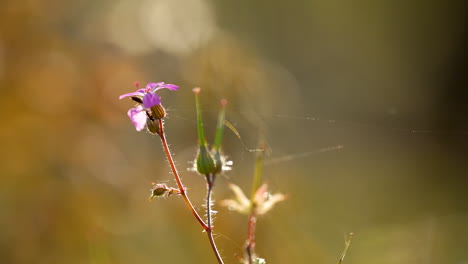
[149, 103]
[262, 201]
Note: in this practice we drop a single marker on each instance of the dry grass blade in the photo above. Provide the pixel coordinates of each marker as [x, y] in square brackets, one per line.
[347, 244]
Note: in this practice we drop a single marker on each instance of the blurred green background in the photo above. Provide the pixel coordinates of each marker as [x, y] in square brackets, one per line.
[387, 80]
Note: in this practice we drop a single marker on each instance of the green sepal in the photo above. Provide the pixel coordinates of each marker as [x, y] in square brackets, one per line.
[152, 126]
[205, 162]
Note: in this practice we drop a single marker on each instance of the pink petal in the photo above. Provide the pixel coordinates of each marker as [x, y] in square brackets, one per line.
[153, 85]
[140, 92]
[151, 99]
[138, 117]
[261, 194]
[169, 86]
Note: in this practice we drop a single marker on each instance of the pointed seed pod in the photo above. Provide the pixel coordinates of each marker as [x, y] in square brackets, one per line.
[219, 138]
[205, 162]
[218, 162]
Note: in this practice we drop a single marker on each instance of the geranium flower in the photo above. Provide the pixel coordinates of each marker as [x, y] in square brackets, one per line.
[146, 99]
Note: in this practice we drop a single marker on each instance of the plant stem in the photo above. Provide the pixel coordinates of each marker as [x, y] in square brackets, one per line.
[250, 248]
[207, 227]
[347, 244]
[177, 177]
[209, 231]
[256, 181]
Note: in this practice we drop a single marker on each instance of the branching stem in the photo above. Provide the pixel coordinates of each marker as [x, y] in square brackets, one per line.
[207, 227]
[182, 190]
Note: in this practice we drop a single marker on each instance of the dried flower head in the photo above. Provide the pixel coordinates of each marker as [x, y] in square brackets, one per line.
[259, 261]
[262, 201]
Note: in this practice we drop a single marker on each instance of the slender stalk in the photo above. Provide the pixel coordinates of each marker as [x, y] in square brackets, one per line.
[177, 177]
[209, 231]
[250, 248]
[256, 181]
[207, 227]
[347, 244]
[220, 126]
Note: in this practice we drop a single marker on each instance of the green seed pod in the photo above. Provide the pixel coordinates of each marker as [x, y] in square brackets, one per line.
[205, 162]
[219, 160]
[152, 126]
[158, 112]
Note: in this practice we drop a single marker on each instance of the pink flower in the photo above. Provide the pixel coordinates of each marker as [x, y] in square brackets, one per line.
[146, 98]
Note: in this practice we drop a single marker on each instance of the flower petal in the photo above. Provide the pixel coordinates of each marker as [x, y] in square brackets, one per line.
[151, 86]
[151, 99]
[138, 117]
[234, 205]
[268, 205]
[139, 92]
[261, 194]
[240, 196]
[169, 86]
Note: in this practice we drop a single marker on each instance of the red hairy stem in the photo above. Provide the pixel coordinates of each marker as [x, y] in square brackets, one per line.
[209, 231]
[177, 177]
[207, 227]
[250, 248]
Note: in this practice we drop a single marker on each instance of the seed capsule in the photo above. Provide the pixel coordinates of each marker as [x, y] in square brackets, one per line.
[205, 163]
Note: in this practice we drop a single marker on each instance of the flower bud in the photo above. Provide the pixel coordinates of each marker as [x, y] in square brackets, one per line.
[205, 162]
[158, 190]
[158, 112]
[152, 126]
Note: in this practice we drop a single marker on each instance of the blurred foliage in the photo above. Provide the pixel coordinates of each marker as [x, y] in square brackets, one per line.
[387, 80]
